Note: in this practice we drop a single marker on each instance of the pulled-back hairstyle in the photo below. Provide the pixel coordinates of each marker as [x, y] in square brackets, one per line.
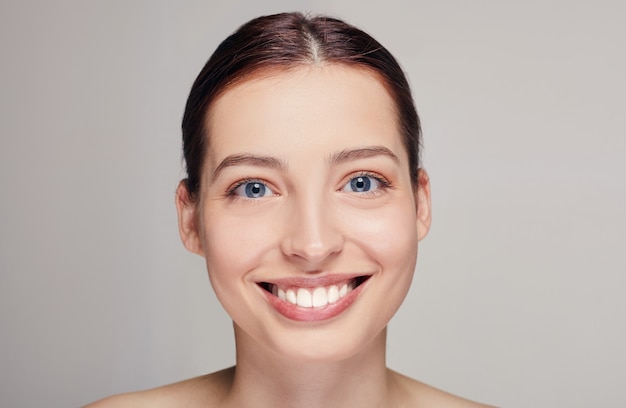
[285, 41]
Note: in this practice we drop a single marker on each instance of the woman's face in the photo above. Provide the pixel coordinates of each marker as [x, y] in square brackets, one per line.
[306, 215]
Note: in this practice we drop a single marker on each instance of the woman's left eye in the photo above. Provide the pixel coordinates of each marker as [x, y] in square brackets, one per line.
[363, 184]
[252, 189]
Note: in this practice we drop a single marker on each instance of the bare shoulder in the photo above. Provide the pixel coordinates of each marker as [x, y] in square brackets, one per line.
[204, 391]
[423, 395]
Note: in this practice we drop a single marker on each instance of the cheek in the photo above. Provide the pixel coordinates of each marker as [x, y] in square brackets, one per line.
[390, 240]
[234, 244]
[389, 235]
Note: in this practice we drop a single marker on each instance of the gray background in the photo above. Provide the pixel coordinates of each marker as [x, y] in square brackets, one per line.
[517, 298]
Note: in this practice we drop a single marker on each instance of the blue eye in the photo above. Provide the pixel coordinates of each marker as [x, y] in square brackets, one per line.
[252, 189]
[362, 184]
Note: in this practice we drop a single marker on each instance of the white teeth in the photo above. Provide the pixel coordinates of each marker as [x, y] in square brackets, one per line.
[290, 296]
[304, 298]
[313, 297]
[320, 297]
[333, 294]
[343, 291]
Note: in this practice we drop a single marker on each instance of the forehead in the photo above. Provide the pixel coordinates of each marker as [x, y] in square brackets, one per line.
[310, 107]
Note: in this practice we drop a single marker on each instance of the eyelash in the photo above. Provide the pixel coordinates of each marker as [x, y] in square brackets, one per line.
[384, 183]
[231, 190]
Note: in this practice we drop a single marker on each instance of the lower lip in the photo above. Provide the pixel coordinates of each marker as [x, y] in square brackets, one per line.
[313, 314]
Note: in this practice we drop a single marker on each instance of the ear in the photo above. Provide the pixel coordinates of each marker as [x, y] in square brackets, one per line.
[188, 219]
[422, 199]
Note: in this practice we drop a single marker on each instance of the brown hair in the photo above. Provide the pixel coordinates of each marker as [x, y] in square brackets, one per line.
[285, 41]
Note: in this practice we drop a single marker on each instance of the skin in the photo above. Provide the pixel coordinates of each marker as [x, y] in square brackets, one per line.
[305, 135]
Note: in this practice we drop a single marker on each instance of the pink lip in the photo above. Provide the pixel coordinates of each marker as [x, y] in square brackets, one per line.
[312, 314]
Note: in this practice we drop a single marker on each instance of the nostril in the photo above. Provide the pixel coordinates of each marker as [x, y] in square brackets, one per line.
[313, 254]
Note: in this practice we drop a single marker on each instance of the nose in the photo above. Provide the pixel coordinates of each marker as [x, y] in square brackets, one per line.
[312, 236]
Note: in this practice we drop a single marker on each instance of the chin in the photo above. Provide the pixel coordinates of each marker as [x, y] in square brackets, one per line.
[326, 347]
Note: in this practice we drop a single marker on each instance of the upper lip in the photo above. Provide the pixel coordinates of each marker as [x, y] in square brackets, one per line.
[313, 282]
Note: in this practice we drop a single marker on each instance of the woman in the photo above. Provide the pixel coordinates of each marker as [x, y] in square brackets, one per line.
[306, 198]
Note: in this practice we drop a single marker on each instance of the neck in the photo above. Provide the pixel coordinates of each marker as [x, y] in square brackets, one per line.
[266, 379]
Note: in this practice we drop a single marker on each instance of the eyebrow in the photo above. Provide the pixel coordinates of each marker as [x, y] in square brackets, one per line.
[362, 153]
[340, 157]
[250, 160]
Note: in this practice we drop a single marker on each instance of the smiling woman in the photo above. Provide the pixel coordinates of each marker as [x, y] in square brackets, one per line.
[306, 198]
[336, 203]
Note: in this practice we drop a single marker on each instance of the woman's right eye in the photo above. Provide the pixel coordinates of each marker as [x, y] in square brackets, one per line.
[251, 189]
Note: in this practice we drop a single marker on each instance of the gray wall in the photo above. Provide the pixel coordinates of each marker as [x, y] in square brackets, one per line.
[518, 297]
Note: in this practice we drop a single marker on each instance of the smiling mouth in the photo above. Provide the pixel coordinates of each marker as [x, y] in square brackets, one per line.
[318, 296]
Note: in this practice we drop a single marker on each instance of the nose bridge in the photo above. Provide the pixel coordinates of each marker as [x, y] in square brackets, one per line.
[313, 234]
